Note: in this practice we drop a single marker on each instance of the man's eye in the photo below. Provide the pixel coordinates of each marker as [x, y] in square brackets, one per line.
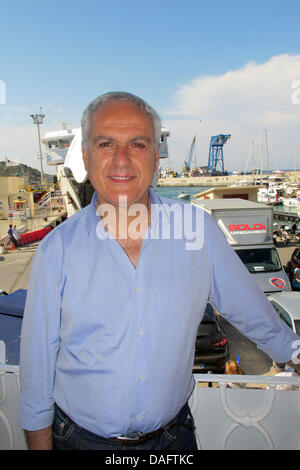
[104, 144]
[139, 145]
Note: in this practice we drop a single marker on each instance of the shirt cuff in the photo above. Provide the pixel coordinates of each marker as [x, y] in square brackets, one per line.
[35, 413]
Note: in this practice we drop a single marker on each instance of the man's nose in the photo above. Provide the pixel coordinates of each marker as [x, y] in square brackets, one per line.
[121, 156]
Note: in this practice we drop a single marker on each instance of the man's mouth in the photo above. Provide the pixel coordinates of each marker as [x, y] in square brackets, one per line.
[121, 179]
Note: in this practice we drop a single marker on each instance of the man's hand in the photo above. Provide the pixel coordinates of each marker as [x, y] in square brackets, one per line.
[39, 440]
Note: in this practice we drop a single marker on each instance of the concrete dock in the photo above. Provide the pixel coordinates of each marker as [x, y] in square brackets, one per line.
[215, 181]
[15, 268]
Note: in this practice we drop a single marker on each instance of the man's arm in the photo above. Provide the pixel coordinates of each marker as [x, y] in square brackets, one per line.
[40, 342]
[39, 440]
[239, 299]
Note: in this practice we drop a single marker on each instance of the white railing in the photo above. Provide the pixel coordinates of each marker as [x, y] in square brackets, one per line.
[253, 418]
[225, 418]
[51, 200]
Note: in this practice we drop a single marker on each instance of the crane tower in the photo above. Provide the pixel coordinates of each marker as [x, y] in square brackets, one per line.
[187, 162]
[215, 157]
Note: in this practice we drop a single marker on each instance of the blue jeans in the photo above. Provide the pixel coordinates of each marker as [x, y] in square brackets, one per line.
[69, 436]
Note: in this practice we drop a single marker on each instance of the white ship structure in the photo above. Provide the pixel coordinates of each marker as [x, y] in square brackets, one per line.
[63, 150]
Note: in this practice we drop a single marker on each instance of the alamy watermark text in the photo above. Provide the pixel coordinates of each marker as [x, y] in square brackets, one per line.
[296, 94]
[2, 92]
[175, 221]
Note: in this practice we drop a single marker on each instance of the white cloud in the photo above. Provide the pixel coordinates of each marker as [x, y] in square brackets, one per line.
[243, 103]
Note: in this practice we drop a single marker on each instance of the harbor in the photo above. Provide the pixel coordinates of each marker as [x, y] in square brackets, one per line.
[292, 176]
[35, 209]
[175, 328]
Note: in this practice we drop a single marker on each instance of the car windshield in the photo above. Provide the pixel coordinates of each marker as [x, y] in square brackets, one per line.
[297, 326]
[260, 259]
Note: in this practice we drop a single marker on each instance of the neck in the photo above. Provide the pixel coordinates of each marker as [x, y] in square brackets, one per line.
[126, 221]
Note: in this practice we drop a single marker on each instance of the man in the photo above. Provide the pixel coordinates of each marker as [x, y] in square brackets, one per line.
[115, 298]
[295, 279]
[13, 237]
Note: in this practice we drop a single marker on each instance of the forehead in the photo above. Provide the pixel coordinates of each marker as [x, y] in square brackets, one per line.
[121, 115]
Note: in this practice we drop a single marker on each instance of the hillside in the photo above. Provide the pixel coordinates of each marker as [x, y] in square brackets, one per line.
[31, 175]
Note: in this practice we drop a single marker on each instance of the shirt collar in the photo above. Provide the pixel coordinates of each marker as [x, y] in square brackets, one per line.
[91, 218]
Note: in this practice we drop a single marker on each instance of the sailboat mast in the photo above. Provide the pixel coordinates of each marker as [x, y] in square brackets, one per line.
[267, 151]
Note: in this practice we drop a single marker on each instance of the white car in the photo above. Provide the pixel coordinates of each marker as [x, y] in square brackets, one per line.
[287, 305]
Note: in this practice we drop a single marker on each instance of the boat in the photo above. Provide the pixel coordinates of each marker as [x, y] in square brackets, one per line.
[183, 195]
[271, 195]
[290, 202]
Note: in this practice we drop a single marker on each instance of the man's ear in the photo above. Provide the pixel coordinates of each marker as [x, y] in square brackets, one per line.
[84, 157]
[157, 159]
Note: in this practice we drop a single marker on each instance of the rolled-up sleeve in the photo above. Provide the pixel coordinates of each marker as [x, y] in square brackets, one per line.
[40, 341]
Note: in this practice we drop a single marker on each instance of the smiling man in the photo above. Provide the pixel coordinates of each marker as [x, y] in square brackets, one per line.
[110, 322]
[121, 154]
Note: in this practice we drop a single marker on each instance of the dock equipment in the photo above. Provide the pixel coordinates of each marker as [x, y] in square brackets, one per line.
[187, 162]
[215, 157]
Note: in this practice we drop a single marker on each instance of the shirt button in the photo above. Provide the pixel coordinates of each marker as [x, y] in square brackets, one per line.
[139, 417]
[142, 377]
[140, 333]
[137, 291]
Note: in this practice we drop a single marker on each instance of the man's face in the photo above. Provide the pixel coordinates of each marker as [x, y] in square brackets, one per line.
[121, 158]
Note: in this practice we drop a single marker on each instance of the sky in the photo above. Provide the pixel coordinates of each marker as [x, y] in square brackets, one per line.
[208, 68]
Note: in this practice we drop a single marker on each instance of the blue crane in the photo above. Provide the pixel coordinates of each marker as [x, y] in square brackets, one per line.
[215, 157]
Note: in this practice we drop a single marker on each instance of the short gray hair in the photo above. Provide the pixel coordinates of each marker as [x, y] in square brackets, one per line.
[119, 96]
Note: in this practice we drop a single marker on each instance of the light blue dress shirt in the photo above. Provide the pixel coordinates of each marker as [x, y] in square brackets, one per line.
[113, 345]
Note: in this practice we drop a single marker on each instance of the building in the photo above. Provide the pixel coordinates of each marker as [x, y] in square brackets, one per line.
[223, 192]
[14, 200]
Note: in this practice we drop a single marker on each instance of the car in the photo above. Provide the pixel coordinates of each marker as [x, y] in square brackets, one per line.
[11, 316]
[287, 305]
[211, 346]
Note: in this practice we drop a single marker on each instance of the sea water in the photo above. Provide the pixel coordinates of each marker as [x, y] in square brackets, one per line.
[173, 191]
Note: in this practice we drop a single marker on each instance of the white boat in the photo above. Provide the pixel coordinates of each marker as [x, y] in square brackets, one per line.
[290, 202]
[262, 195]
[273, 194]
[183, 195]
